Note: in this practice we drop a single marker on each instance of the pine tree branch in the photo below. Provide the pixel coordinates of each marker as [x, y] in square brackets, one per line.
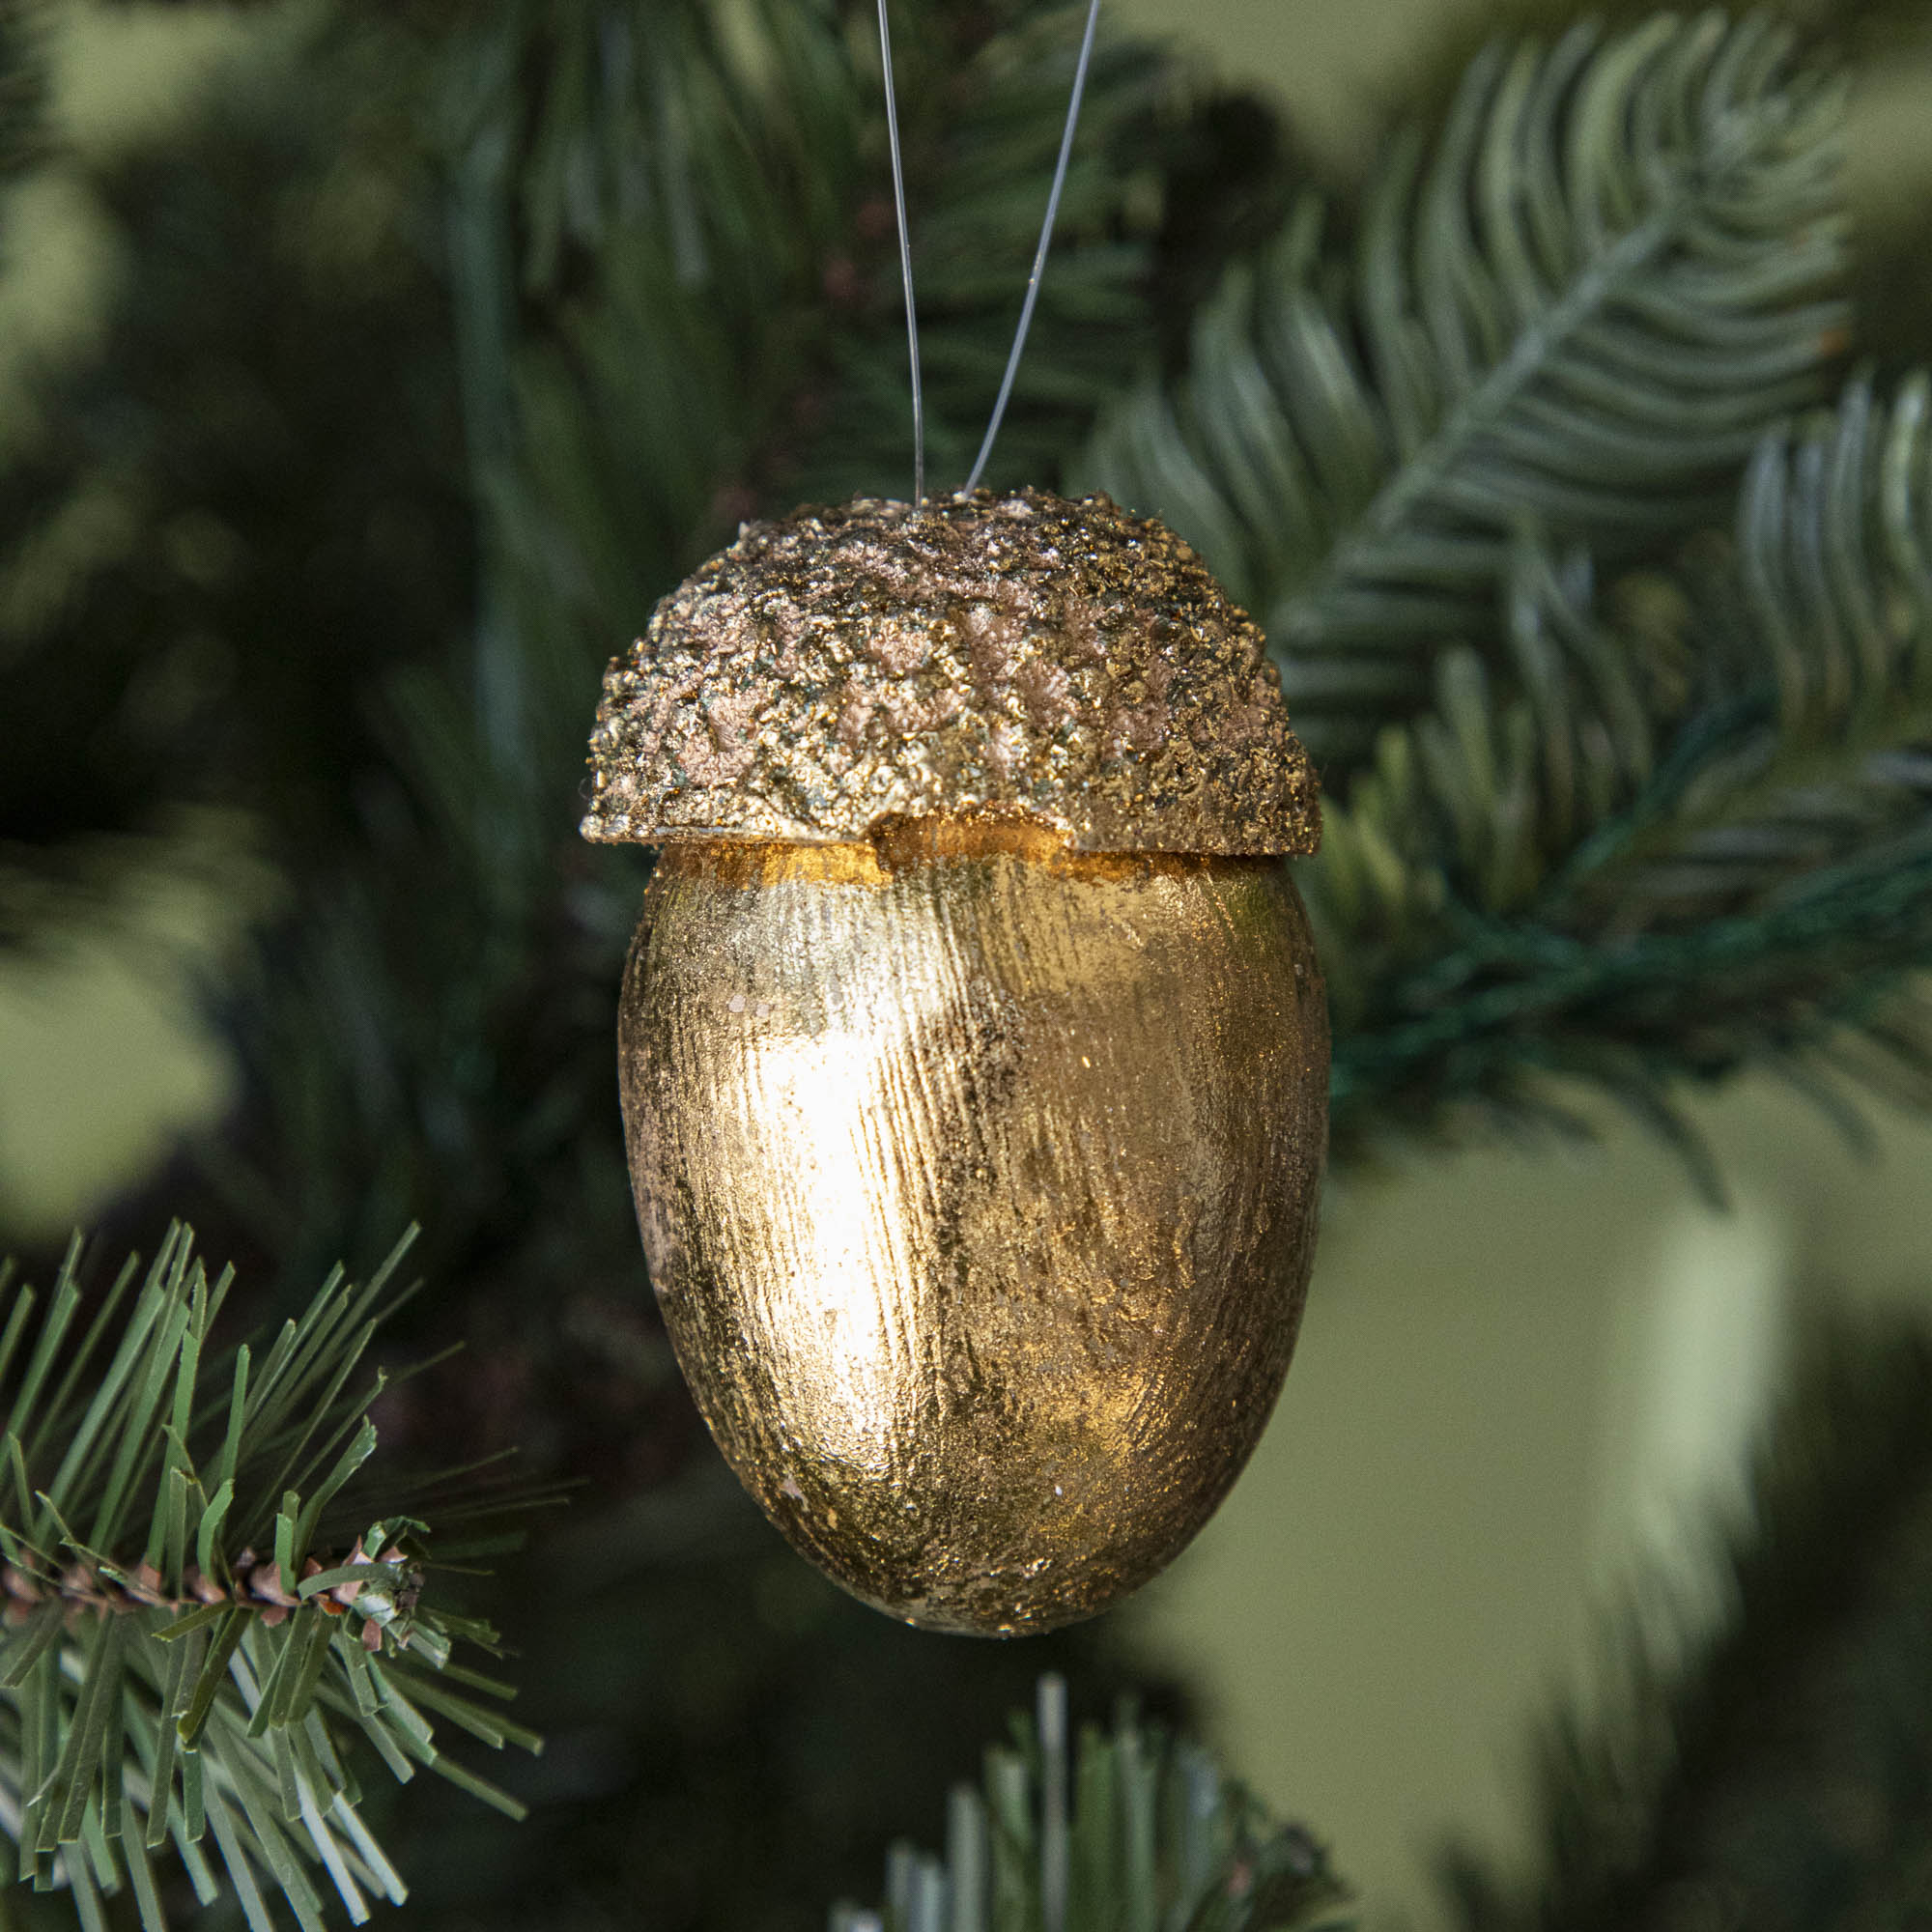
[1759, 891]
[1129, 1832]
[206, 1599]
[1873, 34]
[691, 242]
[1615, 270]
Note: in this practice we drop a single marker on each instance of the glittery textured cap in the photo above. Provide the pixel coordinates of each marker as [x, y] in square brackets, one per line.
[1016, 654]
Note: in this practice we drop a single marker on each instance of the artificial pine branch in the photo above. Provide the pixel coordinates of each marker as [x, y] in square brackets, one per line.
[1615, 270]
[1559, 843]
[1870, 33]
[206, 1598]
[1757, 889]
[1129, 1832]
[698, 232]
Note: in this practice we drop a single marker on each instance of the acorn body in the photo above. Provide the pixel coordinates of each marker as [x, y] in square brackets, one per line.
[977, 1180]
[973, 1054]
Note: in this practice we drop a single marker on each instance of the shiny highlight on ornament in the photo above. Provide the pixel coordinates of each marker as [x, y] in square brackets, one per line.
[975, 1150]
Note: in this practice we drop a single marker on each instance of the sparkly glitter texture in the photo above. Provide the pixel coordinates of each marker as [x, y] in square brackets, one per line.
[1067, 663]
[972, 1053]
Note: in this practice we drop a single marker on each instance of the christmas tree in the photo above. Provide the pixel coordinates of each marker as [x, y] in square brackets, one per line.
[1576, 460]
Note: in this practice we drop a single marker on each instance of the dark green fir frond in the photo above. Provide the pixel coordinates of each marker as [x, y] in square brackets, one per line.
[1507, 895]
[1868, 35]
[1128, 1831]
[208, 1603]
[1815, 644]
[677, 269]
[1573, 316]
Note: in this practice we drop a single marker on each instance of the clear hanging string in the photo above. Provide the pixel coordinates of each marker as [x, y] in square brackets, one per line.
[905, 261]
[1039, 254]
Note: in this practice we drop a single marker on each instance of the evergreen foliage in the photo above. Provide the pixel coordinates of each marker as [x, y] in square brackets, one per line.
[1612, 798]
[1128, 1832]
[1576, 316]
[206, 1598]
[449, 336]
[1684, 837]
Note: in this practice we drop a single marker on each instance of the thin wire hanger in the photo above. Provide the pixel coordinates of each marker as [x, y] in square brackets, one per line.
[1039, 254]
[1033, 280]
[905, 259]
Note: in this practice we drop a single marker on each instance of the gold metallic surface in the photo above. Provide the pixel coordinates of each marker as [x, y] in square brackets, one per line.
[978, 1179]
[1068, 662]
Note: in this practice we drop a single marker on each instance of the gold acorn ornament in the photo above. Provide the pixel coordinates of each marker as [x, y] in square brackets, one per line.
[973, 1054]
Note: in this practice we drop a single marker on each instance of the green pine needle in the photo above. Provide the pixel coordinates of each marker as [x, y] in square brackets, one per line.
[198, 1660]
[1130, 1832]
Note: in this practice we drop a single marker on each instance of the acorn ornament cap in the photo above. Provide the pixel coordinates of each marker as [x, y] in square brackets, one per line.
[973, 1054]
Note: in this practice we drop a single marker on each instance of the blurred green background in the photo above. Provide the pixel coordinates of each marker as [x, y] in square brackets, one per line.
[1525, 1381]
